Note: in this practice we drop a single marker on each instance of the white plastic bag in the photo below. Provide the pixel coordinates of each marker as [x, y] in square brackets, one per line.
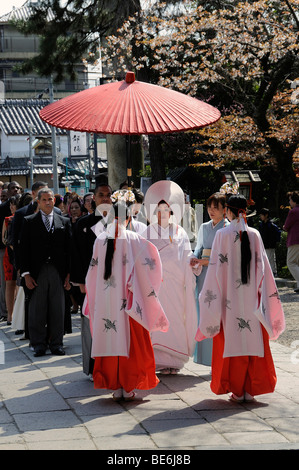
[18, 314]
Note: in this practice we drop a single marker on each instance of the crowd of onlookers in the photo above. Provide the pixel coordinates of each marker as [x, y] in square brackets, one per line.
[13, 198]
[73, 206]
[26, 248]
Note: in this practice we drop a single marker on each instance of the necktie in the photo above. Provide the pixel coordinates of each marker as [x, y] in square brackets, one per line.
[47, 223]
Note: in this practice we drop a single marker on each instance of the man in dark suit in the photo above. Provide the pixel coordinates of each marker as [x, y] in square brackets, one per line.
[85, 232]
[19, 217]
[16, 229]
[45, 265]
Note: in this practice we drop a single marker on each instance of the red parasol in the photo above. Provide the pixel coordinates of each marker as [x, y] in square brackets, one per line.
[129, 107]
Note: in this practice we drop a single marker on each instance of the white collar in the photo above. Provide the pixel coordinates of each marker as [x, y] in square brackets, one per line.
[47, 215]
[99, 213]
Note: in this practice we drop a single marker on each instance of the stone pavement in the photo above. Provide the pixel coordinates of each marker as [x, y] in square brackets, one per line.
[49, 404]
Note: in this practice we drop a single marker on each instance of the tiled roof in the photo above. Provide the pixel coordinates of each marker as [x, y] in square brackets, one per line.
[242, 176]
[74, 169]
[13, 166]
[16, 114]
[21, 13]
[20, 166]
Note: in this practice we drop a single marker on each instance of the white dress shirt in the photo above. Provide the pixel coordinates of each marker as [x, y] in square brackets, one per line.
[50, 217]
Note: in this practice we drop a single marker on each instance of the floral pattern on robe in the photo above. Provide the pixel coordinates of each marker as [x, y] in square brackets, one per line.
[241, 309]
[132, 290]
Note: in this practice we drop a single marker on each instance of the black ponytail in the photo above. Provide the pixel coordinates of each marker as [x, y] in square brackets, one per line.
[238, 204]
[109, 258]
[120, 213]
[245, 258]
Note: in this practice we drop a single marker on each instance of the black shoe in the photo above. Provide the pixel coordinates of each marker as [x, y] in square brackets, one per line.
[39, 352]
[296, 290]
[58, 352]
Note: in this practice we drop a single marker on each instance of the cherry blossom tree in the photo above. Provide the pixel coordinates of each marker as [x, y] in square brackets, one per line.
[244, 53]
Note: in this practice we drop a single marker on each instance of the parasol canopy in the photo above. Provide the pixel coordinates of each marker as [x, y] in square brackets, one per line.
[129, 107]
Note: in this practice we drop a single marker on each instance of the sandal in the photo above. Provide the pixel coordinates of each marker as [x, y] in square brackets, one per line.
[237, 399]
[130, 396]
[249, 398]
[118, 394]
[165, 371]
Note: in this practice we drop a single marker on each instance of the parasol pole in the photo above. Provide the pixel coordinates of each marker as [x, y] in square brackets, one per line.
[129, 160]
[130, 78]
[95, 155]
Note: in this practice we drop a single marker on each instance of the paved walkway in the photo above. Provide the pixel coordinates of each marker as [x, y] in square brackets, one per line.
[48, 403]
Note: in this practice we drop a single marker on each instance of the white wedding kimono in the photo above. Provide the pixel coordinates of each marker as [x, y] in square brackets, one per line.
[241, 309]
[132, 290]
[173, 349]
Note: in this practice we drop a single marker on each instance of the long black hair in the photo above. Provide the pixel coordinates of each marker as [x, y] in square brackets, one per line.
[237, 204]
[120, 213]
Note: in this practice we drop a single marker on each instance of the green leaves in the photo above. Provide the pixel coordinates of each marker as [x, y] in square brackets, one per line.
[70, 34]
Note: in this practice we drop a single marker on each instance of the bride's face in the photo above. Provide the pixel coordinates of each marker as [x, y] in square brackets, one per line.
[163, 214]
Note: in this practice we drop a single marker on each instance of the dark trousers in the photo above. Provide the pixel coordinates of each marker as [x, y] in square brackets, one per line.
[86, 341]
[46, 310]
[27, 293]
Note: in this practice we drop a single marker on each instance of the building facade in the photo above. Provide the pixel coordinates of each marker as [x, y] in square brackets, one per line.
[25, 140]
[14, 49]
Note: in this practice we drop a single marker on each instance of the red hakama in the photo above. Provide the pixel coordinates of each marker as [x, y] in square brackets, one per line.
[134, 372]
[253, 374]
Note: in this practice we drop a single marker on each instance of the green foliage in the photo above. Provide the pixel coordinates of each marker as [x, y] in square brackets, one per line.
[146, 172]
[70, 33]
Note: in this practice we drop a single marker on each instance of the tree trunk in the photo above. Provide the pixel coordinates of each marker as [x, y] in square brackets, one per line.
[137, 156]
[156, 158]
[116, 156]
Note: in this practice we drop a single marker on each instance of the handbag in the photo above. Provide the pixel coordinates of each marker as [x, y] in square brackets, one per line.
[18, 314]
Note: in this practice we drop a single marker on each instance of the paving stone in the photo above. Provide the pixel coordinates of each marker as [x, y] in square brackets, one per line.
[35, 397]
[235, 421]
[95, 406]
[72, 444]
[288, 427]
[161, 410]
[183, 433]
[125, 442]
[10, 434]
[255, 438]
[114, 426]
[52, 420]
[49, 404]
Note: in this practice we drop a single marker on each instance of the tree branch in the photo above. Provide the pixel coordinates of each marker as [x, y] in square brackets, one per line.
[293, 13]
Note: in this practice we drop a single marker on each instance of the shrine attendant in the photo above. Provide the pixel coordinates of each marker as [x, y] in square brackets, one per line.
[122, 287]
[240, 309]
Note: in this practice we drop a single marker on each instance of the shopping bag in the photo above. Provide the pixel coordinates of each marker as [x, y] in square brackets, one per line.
[18, 314]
